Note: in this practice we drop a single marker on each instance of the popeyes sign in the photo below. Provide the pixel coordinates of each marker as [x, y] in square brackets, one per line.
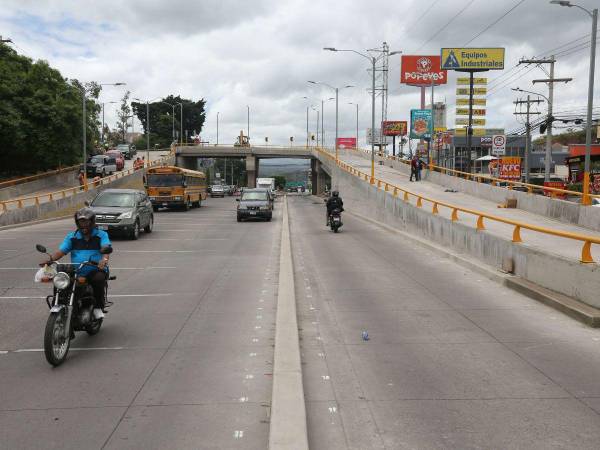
[422, 70]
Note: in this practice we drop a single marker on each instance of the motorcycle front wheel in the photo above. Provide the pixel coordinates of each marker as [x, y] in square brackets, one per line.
[56, 344]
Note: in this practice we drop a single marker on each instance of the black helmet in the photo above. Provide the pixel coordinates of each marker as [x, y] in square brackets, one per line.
[86, 213]
[335, 194]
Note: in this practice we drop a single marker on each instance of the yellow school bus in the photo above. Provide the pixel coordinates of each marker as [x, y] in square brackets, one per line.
[172, 186]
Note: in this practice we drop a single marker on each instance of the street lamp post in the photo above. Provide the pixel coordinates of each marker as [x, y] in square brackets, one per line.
[84, 126]
[586, 200]
[317, 111]
[356, 122]
[336, 89]
[103, 124]
[217, 127]
[373, 60]
[248, 106]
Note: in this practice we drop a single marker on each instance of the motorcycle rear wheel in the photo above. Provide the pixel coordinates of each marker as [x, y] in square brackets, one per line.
[56, 345]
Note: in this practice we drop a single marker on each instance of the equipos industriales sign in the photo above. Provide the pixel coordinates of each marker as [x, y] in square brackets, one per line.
[472, 58]
[421, 70]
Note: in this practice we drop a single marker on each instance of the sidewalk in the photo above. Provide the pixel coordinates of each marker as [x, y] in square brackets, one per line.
[559, 246]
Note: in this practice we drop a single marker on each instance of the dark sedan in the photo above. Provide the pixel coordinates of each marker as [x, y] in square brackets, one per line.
[254, 204]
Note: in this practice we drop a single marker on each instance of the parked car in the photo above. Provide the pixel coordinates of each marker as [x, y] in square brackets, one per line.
[120, 160]
[101, 165]
[127, 150]
[254, 204]
[217, 190]
[123, 211]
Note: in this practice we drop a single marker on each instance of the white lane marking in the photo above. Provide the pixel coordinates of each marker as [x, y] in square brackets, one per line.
[333, 409]
[113, 268]
[249, 376]
[261, 300]
[257, 327]
[243, 399]
[162, 251]
[321, 355]
[254, 340]
[111, 295]
[76, 349]
[10, 250]
[260, 309]
[238, 434]
[252, 355]
[259, 317]
[325, 377]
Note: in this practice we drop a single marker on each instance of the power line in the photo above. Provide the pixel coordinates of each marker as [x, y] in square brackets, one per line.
[494, 22]
[416, 22]
[445, 25]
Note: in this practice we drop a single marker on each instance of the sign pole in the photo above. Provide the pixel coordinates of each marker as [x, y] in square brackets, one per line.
[394, 145]
[470, 126]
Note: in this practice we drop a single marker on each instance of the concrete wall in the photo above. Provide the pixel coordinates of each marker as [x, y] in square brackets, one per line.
[580, 281]
[562, 210]
[20, 190]
[68, 205]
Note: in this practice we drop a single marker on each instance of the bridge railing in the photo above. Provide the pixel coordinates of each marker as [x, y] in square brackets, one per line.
[494, 181]
[407, 195]
[37, 176]
[22, 202]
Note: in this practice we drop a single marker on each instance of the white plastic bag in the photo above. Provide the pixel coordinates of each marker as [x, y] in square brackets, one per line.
[45, 274]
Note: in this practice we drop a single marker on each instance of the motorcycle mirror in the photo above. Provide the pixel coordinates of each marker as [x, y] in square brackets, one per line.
[40, 248]
[106, 250]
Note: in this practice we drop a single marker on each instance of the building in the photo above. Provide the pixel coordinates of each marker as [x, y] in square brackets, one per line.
[576, 161]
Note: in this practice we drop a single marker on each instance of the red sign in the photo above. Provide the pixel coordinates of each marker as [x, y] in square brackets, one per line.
[510, 168]
[394, 128]
[422, 70]
[346, 142]
[557, 185]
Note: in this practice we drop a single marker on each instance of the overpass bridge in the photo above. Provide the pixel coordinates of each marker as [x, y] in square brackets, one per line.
[187, 156]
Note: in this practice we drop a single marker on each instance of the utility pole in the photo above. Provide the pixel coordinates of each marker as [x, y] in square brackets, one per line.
[5, 41]
[550, 81]
[527, 102]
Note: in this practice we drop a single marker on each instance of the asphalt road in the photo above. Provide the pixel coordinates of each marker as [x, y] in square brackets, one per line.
[184, 357]
[453, 360]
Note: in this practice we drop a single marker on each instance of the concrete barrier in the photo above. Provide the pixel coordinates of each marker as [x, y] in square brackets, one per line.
[68, 178]
[64, 206]
[559, 274]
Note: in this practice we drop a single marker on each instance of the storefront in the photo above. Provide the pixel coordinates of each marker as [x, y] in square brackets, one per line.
[576, 160]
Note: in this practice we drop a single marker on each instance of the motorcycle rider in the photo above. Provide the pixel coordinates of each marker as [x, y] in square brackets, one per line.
[84, 245]
[334, 202]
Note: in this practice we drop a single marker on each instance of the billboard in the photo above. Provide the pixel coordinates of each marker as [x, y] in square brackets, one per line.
[476, 91]
[465, 111]
[419, 70]
[472, 58]
[465, 81]
[474, 122]
[476, 101]
[394, 128]
[420, 123]
[510, 168]
[346, 142]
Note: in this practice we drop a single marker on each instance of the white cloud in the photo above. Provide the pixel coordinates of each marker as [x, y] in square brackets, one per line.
[261, 53]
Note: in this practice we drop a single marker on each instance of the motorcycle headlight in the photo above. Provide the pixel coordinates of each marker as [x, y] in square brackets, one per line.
[126, 215]
[61, 281]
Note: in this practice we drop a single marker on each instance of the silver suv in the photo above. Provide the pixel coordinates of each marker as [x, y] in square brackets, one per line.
[123, 211]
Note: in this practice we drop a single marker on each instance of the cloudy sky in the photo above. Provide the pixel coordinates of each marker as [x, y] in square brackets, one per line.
[260, 53]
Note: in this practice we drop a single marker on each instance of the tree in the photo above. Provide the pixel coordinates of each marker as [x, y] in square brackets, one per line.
[41, 116]
[280, 181]
[124, 113]
[163, 125]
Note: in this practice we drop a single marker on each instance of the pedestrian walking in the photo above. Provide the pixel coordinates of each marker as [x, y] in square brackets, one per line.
[81, 179]
[414, 165]
[420, 165]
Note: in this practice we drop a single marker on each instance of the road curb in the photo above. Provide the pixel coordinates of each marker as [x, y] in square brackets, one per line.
[288, 412]
[573, 308]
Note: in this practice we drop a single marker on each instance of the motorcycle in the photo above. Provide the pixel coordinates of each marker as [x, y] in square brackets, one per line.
[71, 306]
[335, 220]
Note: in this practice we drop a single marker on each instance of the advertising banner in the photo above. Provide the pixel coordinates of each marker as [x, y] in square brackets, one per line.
[476, 131]
[465, 121]
[420, 123]
[394, 128]
[510, 168]
[486, 142]
[422, 70]
[476, 102]
[463, 81]
[472, 58]
[346, 142]
[476, 91]
[465, 112]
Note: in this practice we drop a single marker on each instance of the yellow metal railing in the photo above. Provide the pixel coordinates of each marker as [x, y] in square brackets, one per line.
[586, 253]
[481, 178]
[38, 176]
[20, 202]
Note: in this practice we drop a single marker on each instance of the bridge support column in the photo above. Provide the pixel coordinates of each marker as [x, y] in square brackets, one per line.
[251, 170]
[319, 177]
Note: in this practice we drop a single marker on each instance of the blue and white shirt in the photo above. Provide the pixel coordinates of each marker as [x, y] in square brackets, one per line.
[82, 250]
